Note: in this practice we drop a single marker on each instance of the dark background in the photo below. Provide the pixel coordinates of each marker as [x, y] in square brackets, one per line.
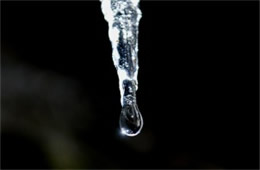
[198, 87]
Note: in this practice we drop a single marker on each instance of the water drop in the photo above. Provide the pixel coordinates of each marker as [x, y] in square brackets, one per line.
[131, 121]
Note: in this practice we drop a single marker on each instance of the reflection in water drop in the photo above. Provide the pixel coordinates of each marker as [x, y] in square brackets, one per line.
[123, 19]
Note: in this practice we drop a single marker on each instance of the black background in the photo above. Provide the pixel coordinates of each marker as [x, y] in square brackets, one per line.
[198, 82]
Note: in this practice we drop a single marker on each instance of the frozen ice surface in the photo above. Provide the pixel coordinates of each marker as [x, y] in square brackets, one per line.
[123, 19]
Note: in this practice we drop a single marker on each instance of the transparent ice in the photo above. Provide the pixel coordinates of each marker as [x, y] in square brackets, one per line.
[123, 19]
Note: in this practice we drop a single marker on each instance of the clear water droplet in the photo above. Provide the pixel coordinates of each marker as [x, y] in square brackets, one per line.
[131, 121]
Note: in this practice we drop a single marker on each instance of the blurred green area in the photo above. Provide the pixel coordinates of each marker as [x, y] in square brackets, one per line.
[46, 109]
